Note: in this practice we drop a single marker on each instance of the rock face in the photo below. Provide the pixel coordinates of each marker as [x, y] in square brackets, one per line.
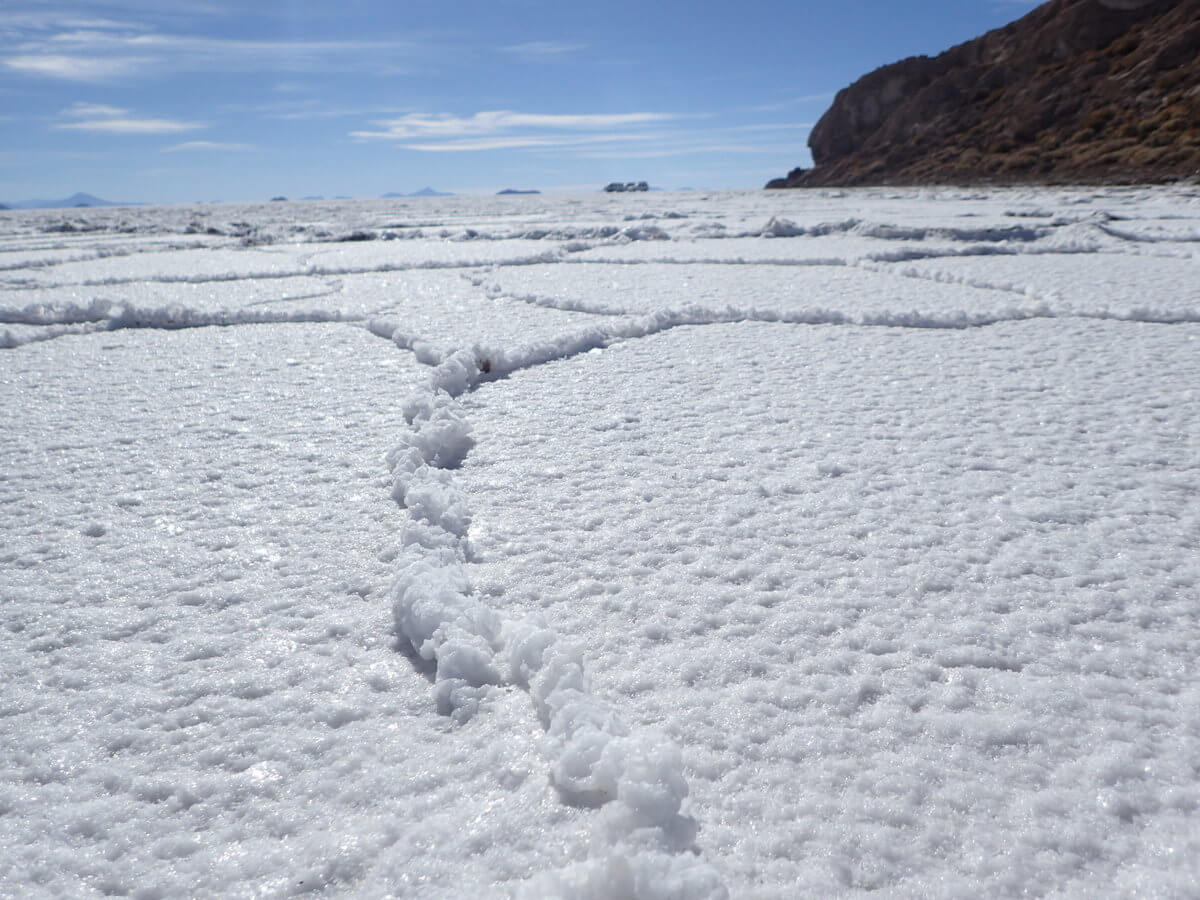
[1077, 90]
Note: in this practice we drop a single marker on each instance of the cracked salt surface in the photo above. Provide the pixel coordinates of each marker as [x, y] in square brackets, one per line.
[920, 606]
[203, 693]
[456, 564]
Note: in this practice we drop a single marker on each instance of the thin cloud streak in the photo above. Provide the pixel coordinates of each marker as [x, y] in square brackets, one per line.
[240, 47]
[794, 101]
[93, 111]
[526, 142]
[24, 21]
[132, 126]
[74, 68]
[215, 146]
[302, 114]
[774, 126]
[495, 122]
[535, 50]
[311, 108]
[83, 49]
[683, 150]
[646, 144]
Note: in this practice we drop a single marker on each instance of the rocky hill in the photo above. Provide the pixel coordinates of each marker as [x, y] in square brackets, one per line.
[1075, 91]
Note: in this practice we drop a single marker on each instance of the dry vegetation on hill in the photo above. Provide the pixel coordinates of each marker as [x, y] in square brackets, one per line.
[1076, 91]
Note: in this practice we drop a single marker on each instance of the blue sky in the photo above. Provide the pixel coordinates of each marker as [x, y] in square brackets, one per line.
[165, 101]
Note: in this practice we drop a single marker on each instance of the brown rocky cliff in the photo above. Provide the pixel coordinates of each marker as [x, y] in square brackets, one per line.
[1077, 90]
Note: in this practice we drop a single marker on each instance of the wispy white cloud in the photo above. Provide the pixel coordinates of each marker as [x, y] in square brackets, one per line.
[18, 22]
[781, 138]
[417, 126]
[105, 119]
[82, 48]
[688, 149]
[543, 50]
[726, 141]
[527, 142]
[244, 50]
[93, 111]
[57, 10]
[191, 49]
[596, 136]
[311, 108]
[772, 126]
[131, 126]
[74, 68]
[58, 44]
[793, 101]
[329, 112]
[215, 146]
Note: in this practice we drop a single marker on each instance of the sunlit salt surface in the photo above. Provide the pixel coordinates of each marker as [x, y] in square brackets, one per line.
[789, 544]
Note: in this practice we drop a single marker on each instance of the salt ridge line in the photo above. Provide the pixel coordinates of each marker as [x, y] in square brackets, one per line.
[1156, 315]
[1089, 235]
[334, 286]
[776, 226]
[559, 257]
[494, 291]
[780, 227]
[20, 335]
[643, 841]
[891, 256]
[90, 249]
[1125, 234]
[106, 315]
[49, 263]
[131, 315]
[307, 271]
[640, 325]
[100, 244]
[1085, 236]
[606, 235]
[40, 322]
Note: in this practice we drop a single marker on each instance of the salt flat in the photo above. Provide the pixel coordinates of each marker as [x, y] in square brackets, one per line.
[664, 545]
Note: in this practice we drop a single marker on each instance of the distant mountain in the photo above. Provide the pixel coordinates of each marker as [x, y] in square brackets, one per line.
[79, 199]
[423, 192]
[1076, 91]
[514, 191]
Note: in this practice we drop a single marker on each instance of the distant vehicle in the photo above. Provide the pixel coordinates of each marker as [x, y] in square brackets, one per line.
[618, 187]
